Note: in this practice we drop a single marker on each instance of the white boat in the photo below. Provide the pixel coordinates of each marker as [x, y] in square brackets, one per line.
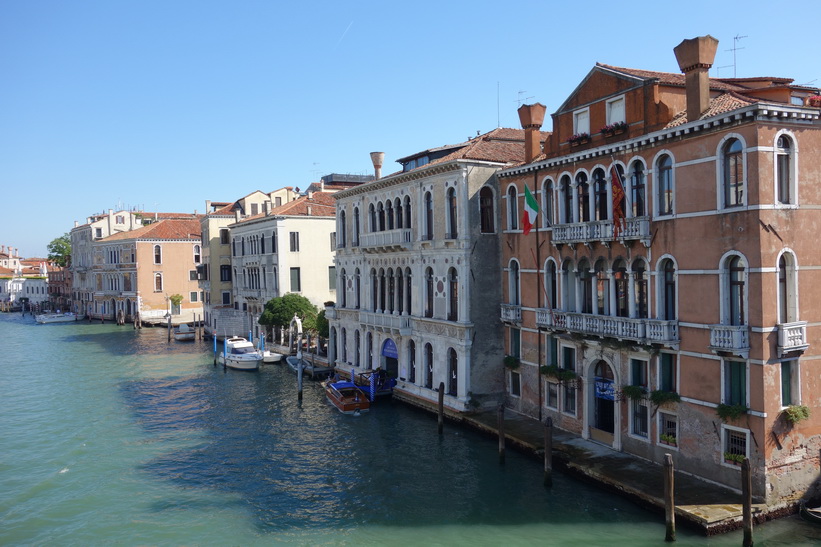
[271, 357]
[66, 317]
[240, 354]
[184, 333]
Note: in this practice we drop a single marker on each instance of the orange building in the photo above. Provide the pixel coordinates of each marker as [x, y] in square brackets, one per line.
[665, 300]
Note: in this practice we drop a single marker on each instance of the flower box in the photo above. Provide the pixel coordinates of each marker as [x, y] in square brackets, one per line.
[814, 100]
[578, 139]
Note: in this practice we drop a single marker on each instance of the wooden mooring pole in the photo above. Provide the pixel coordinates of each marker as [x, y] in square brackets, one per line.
[747, 502]
[669, 499]
[441, 407]
[548, 452]
[501, 434]
[299, 381]
[169, 328]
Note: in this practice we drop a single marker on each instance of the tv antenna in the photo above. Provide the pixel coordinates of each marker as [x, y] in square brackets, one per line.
[520, 100]
[735, 48]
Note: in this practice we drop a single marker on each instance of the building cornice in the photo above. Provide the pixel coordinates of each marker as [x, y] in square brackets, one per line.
[760, 112]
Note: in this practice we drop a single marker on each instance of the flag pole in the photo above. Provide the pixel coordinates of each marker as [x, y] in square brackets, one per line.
[538, 294]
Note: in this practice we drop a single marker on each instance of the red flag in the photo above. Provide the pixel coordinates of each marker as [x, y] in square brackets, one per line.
[618, 197]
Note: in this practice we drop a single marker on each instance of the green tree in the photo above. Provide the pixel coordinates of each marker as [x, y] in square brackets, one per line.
[59, 250]
[322, 326]
[280, 310]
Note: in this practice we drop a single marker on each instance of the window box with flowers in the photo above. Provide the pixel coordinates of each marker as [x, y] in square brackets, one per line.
[733, 459]
[814, 100]
[669, 440]
[579, 138]
[613, 129]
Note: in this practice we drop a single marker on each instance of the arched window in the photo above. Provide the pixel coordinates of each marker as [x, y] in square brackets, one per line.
[157, 282]
[568, 287]
[547, 203]
[567, 200]
[786, 289]
[428, 216]
[784, 162]
[197, 254]
[585, 279]
[640, 287]
[583, 191]
[732, 173]
[512, 208]
[398, 213]
[453, 295]
[602, 289]
[408, 293]
[735, 276]
[551, 285]
[664, 184]
[391, 281]
[429, 292]
[357, 349]
[637, 189]
[400, 289]
[357, 288]
[412, 361]
[453, 372]
[372, 215]
[374, 290]
[389, 213]
[428, 366]
[513, 283]
[343, 344]
[600, 188]
[667, 307]
[622, 291]
[369, 350]
[355, 241]
[486, 213]
[407, 211]
[380, 213]
[453, 230]
[157, 254]
[343, 297]
[340, 240]
[382, 290]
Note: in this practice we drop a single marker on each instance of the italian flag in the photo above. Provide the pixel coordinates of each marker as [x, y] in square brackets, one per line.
[531, 210]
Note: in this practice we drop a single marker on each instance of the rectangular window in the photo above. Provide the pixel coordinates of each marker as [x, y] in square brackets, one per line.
[638, 422]
[192, 275]
[569, 363]
[552, 395]
[98, 232]
[552, 353]
[515, 384]
[581, 121]
[277, 202]
[735, 383]
[333, 242]
[295, 280]
[294, 242]
[225, 272]
[515, 343]
[638, 372]
[332, 278]
[194, 296]
[255, 208]
[615, 111]
[568, 358]
[667, 372]
[735, 442]
[226, 298]
[224, 236]
[668, 426]
[789, 388]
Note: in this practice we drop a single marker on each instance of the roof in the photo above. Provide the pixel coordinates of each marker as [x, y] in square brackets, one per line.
[672, 78]
[322, 204]
[169, 229]
[718, 105]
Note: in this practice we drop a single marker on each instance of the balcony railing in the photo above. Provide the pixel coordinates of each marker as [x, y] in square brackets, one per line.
[400, 324]
[601, 230]
[792, 337]
[730, 338]
[511, 313]
[387, 240]
[645, 331]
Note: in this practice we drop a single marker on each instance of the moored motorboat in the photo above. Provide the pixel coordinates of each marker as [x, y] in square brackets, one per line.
[66, 317]
[271, 357]
[240, 354]
[184, 333]
[811, 511]
[346, 397]
[375, 383]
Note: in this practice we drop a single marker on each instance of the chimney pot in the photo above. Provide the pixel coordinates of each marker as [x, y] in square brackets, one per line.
[531, 116]
[695, 57]
[377, 158]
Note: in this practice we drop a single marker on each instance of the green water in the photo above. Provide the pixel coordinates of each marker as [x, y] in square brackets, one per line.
[110, 436]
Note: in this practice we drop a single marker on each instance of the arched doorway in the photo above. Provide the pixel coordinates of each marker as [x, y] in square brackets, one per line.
[391, 355]
[603, 418]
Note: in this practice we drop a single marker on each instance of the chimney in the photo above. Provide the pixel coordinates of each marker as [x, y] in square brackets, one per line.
[237, 215]
[377, 158]
[531, 117]
[310, 194]
[76, 223]
[309, 210]
[207, 206]
[695, 57]
[110, 212]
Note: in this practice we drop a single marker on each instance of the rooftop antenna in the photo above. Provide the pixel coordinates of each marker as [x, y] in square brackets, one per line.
[315, 171]
[718, 70]
[520, 100]
[735, 48]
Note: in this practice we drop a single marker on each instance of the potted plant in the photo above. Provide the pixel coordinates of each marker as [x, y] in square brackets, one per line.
[796, 413]
[511, 362]
[814, 100]
[613, 129]
[659, 397]
[579, 138]
[560, 374]
[733, 459]
[634, 392]
[730, 412]
[669, 440]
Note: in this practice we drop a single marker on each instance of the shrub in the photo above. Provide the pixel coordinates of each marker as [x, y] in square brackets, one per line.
[796, 413]
[659, 397]
[511, 362]
[634, 392]
[730, 412]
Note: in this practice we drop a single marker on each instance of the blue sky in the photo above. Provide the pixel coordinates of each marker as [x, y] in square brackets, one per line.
[164, 104]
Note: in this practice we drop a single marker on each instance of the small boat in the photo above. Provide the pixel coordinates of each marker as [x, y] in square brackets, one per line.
[314, 370]
[376, 383]
[271, 357]
[184, 333]
[811, 511]
[239, 354]
[346, 397]
[66, 317]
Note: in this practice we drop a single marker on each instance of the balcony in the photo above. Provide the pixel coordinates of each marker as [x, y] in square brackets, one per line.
[511, 313]
[643, 331]
[792, 337]
[637, 228]
[389, 240]
[330, 313]
[386, 322]
[733, 339]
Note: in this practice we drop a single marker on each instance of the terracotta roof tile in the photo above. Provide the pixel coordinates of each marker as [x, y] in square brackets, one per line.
[322, 204]
[672, 78]
[170, 229]
[725, 102]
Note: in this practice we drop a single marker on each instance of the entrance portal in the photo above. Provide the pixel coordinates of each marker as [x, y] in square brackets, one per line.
[391, 356]
[604, 416]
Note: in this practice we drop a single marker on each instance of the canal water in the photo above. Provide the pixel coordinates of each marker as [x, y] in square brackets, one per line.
[115, 436]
